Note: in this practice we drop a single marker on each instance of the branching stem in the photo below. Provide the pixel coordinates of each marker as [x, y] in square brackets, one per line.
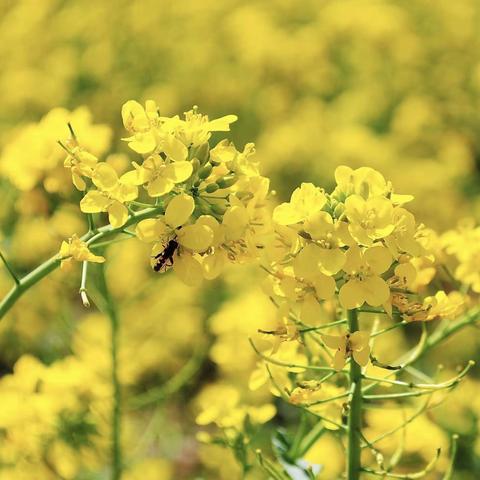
[53, 263]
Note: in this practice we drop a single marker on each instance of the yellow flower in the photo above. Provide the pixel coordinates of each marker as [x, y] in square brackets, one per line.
[364, 181]
[139, 121]
[438, 306]
[110, 197]
[196, 128]
[369, 219]
[403, 238]
[326, 251]
[160, 177]
[196, 237]
[81, 164]
[363, 280]
[190, 240]
[349, 345]
[305, 201]
[76, 249]
[220, 404]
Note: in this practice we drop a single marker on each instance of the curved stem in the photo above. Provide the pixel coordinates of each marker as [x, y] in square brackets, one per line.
[355, 410]
[52, 263]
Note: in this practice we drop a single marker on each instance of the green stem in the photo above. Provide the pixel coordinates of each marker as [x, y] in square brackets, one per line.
[355, 410]
[52, 263]
[112, 313]
[293, 452]
[11, 271]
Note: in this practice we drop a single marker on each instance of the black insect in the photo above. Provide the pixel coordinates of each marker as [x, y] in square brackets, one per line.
[164, 259]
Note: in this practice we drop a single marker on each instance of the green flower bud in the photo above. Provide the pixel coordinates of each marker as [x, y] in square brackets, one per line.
[205, 171]
[227, 181]
[219, 209]
[203, 153]
[203, 206]
[339, 209]
[213, 187]
[195, 164]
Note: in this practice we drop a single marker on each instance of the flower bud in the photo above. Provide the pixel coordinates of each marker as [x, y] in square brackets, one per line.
[339, 209]
[195, 164]
[219, 209]
[203, 206]
[203, 153]
[213, 187]
[227, 181]
[205, 171]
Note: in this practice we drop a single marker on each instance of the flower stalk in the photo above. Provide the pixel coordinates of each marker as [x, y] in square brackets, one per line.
[355, 409]
[112, 313]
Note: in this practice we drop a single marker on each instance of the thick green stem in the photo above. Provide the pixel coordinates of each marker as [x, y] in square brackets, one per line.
[111, 311]
[355, 410]
[52, 263]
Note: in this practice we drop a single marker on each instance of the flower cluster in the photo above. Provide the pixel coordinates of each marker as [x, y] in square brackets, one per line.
[356, 247]
[209, 202]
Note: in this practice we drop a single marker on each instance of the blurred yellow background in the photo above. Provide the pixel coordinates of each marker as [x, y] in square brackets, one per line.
[394, 85]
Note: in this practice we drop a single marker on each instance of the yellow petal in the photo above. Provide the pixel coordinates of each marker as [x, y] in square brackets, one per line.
[257, 379]
[151, 230]
[324, 286]
[179, 171]
[179, 210]
[105, 177]
[262, 414]
[160, 186]
[94, 201]
[174, 148]
[339, 360]
[351, 295]
[90, 257]
[235, 220]
[117, 214]
[78, 182]
[334, 341]
[195, 237]
[359, 339]
[138, 176]
[311, 312]
[361, 356]
[354, 261]
[379, 258]
[406, 272]
[213, 265]
[331, 260]
[376, 291]
[130, 111]
[124, 192]
[305, 264]
[287, 214]
[221, 124]
[189, 270]
[143, 143]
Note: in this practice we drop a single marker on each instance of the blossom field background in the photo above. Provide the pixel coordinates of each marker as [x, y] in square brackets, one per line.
[392, 85]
